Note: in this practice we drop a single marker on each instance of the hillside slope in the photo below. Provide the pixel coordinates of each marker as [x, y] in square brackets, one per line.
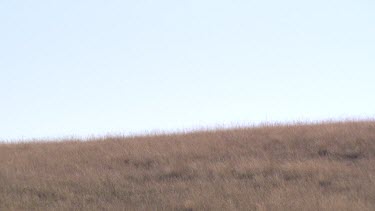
[328, 166]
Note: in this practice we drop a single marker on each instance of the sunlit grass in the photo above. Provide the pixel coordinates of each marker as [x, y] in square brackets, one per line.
[327, 166]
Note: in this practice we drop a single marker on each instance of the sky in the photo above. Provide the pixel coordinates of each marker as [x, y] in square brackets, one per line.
[89, 68]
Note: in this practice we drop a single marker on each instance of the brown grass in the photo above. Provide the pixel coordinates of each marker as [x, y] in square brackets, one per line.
[329, 166]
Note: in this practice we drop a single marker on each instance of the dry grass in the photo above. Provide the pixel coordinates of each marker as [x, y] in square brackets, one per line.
[329, 166]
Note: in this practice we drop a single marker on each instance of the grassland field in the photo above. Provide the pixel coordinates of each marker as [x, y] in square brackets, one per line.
[325, 166]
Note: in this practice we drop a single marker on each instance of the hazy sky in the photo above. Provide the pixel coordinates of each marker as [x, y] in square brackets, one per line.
[96, 67]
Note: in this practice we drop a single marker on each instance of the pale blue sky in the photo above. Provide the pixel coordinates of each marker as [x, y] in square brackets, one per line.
[96, 67]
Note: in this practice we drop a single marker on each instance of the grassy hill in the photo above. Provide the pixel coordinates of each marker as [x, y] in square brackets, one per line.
[327, 166]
